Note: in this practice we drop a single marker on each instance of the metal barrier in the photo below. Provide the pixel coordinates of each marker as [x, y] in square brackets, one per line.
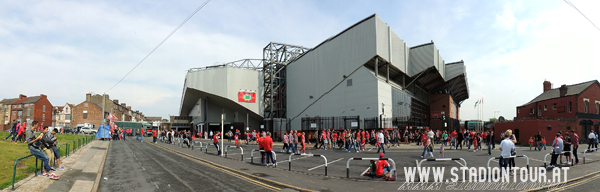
[587, 150]
[546, 156]
[360, 158]
[234, 147]
[252, 156]
[304, 154]
[195, 142]
[442, 159]
[511, 157]
[15, 168]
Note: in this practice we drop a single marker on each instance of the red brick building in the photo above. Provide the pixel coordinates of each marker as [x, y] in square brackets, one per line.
[27, 109]
[565, 108]
[88, 112]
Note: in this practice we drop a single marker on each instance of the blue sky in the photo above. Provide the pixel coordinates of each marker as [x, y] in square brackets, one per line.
[66, 49]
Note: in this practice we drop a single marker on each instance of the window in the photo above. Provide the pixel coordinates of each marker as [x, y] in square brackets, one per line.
[586, 103]
[349, 82]
[43, 117]
[55, 117]
[44, 108]
[569, 106]
[539, 110]
[553, 106]
[597, 107]
[67, 117]
[85, 114]
[26, 104]
[518, 110]
[28, 112]
[20, 113]
[531, 111]
[85, 105]
[549, 127]
[14, 113]
[545, 107]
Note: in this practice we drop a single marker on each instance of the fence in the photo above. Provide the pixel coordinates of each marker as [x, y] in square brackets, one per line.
[70, 147]
[342, 122]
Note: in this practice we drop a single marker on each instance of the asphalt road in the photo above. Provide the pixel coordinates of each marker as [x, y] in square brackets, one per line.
[135, 166]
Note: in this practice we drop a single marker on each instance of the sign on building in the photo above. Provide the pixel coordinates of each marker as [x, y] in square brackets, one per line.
[248, 97]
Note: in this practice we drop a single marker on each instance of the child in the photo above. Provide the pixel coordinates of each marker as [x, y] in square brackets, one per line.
[371, 171]
[236, 139]
[530, 143]
[544, 142]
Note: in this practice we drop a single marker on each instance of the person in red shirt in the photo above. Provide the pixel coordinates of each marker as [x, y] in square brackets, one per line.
[216, 142]
[142, 134]
[382, 167]
[302, 142]
[154, 135]
[334, 139]
[268, 145]
[237, 135]
[261, 148]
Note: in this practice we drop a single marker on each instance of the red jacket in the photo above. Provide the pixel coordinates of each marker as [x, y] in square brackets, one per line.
[215, 138]
[260, 143]
[379, 169]
[154, 133]
[143, 131]
[267, 143]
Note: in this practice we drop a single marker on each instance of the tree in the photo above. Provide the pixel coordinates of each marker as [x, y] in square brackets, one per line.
[493, 119]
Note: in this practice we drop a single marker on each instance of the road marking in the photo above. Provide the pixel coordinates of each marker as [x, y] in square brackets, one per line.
[143, 168]
[459, 163]
[363, 173]
[295, 159]
[328, 163]
[221, 169]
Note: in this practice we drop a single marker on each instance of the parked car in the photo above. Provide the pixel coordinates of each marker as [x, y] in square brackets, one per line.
[87, 130]
[69, 130]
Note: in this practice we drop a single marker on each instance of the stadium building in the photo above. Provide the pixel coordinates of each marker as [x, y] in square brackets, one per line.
[365, 77]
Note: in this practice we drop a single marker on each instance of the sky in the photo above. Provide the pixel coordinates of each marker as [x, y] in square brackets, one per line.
[65, 49]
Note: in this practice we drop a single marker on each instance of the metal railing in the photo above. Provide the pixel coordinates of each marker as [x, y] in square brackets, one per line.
[546, 156]
[304, 154]
[587, 150]
[511, 157]
[443, 159]
[234, 147]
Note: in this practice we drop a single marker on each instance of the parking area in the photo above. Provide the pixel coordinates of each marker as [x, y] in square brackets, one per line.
[404, 157]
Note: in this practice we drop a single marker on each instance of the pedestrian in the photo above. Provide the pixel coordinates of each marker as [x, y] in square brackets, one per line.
[236, 139]
[380, 141]
[286, 141]
[154, 135]
[591, 140]
[382, 167]
[302, 143]
[216, 142]
[567, 148]
[13, 131]
[34, 143]
[575, 139]
[558, 148]
[268, 145]
[261, 148]
[530, 143]
[538, 141]
[427, 146]
[507, 147]
[295, 136]
[513, 138]
[453, 137]
[142, 134]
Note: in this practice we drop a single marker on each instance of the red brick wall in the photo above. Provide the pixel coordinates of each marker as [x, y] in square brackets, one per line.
[551, 113]
[38, 111]
[530, 128]
[94, 114]
[593, 94]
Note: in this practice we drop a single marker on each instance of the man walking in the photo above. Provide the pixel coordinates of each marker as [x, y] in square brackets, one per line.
[13, 131]
[558, 146]
[507, 147]
[380, 141]
[154, 135]
[575, 140]
[591, 140]
[268, 145]
[216, 142]
[142, 134]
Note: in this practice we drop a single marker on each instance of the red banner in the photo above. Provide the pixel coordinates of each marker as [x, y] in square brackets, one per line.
[246, 97]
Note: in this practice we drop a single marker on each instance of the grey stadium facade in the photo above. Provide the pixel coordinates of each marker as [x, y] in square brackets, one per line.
[365, 77]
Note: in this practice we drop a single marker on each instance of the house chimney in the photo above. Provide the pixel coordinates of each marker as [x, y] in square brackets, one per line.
[563, 90]
[116, 101]
[21, 96]
[547, 86]
[88, 96]
[43, 96]
[129, 108]
[123, 104]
